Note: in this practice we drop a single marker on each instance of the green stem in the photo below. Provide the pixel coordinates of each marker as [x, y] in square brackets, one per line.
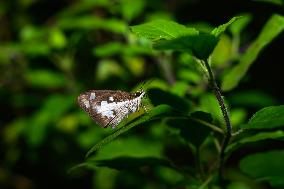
[225, 113]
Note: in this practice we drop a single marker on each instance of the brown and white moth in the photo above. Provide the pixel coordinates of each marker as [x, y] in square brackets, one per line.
[109, 107]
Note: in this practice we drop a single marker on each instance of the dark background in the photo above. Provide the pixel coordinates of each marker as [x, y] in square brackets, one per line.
[24, 164]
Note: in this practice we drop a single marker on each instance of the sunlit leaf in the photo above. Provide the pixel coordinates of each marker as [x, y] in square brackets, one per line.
[162, 29]
[57, 38]
[220, 29]
[209, 103]
[31, 33]
[168, 35]
[107, 68]
[130, 9]
[222, 53]
[238, 116]
[237, 27]
[108, 49]
[179, 88]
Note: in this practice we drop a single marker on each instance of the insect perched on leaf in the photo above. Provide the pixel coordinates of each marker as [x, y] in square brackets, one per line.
[109, 107]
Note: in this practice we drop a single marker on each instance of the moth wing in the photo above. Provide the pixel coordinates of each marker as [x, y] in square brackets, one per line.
[89, 101]
[87, 106]
[120, 113]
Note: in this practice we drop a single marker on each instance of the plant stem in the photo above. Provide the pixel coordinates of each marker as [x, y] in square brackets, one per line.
[225, 113]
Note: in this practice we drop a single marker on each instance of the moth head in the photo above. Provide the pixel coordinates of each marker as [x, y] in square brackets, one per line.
[139, 94]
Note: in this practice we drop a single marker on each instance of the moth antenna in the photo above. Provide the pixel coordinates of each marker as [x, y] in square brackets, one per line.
[144, 85]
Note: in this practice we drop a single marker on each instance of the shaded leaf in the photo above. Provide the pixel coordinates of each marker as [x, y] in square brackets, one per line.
[266, 118]
[130, 146]
[191, 128]
[255, 138]
[53, 108]
[200, 45]
[92, 22]
[275, 2]
[116, 48]
[272, 29]
[45, 79]
[267, 166]
[130, 162]
[158, 96]
[156, 113]
[251, 98]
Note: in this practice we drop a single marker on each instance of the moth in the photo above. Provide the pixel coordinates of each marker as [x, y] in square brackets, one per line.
[110, 107]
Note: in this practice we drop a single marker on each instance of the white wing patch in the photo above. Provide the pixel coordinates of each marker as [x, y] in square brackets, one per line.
[92, 96]
[117, 111]
[86, 103]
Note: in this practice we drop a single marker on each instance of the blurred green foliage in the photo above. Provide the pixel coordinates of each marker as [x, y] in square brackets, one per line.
[50, 51]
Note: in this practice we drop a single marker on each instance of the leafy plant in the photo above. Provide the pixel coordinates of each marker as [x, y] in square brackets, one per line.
[213, 115]
[195, 128]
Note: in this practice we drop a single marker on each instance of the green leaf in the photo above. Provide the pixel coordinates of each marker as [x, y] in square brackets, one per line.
[108, 49]
[255, 138]
[272, 29]
[53, 108]
[107, 68]
[221, 29]
[93, 22]
[266, 118]
[251, 98]
[180, 88]
[168, 35]
[193, 129]
[209, 103]
[116, 48]
[45, 79]
[267, 166]
[156, 113]
[275, 2]
[162, 29]
[158, 96]
[201, 45]
[57, 38]
[130, 9]
[237, 27]
[130, 162]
